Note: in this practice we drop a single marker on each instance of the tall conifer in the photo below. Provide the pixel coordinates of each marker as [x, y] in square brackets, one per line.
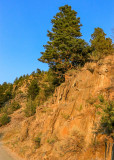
[101, 45]
[65, 48]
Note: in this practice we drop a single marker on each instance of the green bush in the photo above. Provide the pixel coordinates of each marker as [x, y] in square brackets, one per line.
[30, 109]
[4, 119]
[6, 109]
[14, 106]
[40, 98]
[101, 98]
[10, 108]
[37, 141]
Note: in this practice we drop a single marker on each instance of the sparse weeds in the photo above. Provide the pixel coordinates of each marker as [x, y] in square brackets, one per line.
[37, 140]
[46, 109]
[52, 139]
[73, 144]
[23, 150]
[80, 107]
[65, 116]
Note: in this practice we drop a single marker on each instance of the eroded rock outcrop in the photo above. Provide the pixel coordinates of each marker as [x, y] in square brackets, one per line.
[65, 124]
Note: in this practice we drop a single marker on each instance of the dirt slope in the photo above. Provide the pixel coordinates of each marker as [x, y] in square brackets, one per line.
[6, 154]
[63, 128]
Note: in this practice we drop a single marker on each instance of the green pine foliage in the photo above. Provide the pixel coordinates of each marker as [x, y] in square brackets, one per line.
[14, 106]
[4, 119]
[65, 49]
[10, 108]
[101, 45]
[107, 120]
[19, 81]
[30, 109]
[33, 89]
[5, 93]
[107, 117]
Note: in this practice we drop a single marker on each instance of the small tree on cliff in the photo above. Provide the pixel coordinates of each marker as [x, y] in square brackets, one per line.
[33, 89]
[107, 119]
[101, 45]
[65, 48]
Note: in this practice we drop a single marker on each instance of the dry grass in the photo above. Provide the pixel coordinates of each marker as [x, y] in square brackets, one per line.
[10, 134]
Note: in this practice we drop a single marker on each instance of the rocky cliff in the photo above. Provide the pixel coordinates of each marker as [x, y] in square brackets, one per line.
[64, 127]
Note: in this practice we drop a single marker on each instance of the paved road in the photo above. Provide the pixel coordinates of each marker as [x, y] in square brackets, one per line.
[4, 155]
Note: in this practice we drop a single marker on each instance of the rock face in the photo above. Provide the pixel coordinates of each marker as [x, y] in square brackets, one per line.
[64, 127]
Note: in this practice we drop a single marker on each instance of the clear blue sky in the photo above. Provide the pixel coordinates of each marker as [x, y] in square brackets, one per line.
[24, 25]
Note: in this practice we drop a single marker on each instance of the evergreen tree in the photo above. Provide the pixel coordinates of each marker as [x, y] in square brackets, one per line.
[33, 89]
[65, 48]
[107, 120]
[101, 45]
[5, 93]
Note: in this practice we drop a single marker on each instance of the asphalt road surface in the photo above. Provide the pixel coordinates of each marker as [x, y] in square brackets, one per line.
[4, 155]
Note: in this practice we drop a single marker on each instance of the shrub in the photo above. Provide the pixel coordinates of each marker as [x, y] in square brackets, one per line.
[101, 98]
[4, 119]
[30, 109]
[6, 109]
[14, 106]
[37, 141]
[10, 108]
[91, 100]
[40, 98]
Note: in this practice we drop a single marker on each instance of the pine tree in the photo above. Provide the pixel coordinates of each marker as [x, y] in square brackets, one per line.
[101, 45]
[33, 90]
[65, 48]
[107, 120]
